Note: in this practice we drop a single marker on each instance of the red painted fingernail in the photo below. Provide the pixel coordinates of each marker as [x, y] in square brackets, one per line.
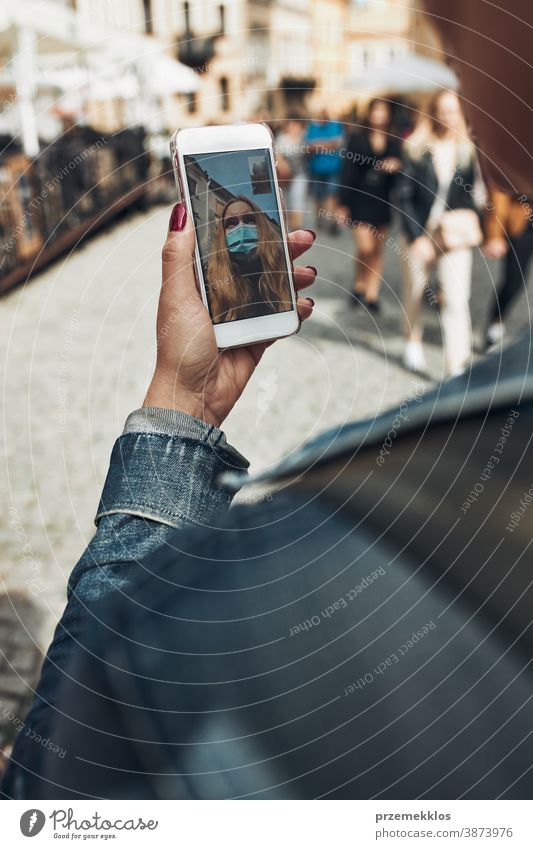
[178, 218]
[312, 233]
[310, 301]
[312, 267]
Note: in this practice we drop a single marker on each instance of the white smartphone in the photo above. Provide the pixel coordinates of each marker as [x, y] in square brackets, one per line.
[227, 178]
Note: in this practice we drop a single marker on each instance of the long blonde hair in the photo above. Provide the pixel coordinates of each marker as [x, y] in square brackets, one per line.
[429, 129]
[229, 293]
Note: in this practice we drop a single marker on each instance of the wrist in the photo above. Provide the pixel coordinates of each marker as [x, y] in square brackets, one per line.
[169, 395]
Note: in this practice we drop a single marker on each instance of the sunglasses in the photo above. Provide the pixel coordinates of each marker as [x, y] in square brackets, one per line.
[234, 220]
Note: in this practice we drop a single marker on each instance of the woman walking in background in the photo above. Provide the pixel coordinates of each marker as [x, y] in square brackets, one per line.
[292, 169]
[323, 141]
[436, 200]
[371, 164]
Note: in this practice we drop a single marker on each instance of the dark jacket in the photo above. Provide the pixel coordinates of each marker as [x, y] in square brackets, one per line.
[365, 187]
[417, 189]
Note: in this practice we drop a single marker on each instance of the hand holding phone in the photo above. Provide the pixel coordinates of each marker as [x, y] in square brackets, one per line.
[191, 374]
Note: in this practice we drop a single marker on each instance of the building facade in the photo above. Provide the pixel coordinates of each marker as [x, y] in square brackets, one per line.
[249, 58]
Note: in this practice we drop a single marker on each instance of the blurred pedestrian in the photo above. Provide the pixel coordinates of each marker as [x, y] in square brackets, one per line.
[440, 221]
[290, 148]
[509, 234]
[324, 139]
[371, 162]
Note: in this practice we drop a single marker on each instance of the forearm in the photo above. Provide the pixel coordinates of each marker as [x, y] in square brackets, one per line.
[163, 476]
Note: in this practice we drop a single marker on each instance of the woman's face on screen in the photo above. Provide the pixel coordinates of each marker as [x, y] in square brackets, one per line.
[240, 229]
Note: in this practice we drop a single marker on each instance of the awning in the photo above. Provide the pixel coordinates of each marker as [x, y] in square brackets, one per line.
[100, 86]
[401, 75]
[56, 31]
[164, 75]
[76, 79]
[160, 73]
[25, 34]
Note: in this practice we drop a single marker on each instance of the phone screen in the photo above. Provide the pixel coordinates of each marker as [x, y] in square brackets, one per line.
[238, 228]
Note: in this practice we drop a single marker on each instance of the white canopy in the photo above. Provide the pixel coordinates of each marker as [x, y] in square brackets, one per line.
[159, 73]
[403, 74]
[25, 34]
[54, 51]
[56, 32]
[164, 75]
[102, 85]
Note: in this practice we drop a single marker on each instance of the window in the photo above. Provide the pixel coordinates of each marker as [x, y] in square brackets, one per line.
[148, 25]
[192, 103]
[224, 94]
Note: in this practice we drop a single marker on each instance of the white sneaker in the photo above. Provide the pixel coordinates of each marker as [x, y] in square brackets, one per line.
[495, 334]
[456, 372]
[413, 357]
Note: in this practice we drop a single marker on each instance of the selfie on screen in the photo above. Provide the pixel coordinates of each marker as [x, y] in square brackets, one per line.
[239, 233]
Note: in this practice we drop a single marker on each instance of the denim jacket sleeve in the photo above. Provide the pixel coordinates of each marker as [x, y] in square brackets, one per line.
[163, 475]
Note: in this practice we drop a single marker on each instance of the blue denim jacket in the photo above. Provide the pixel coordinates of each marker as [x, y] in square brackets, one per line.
[164, 474]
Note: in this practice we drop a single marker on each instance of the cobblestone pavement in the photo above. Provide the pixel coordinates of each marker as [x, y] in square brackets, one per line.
[77, 345]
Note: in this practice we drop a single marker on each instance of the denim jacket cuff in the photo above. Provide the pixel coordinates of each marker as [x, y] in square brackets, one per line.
[166, 467]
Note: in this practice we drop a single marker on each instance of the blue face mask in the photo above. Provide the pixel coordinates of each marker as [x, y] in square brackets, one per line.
[242, 240]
